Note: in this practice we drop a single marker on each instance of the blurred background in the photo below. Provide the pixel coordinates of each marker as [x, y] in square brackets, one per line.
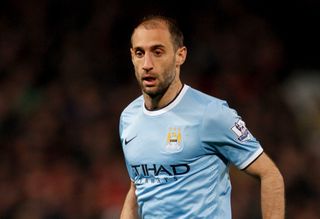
[66, 75]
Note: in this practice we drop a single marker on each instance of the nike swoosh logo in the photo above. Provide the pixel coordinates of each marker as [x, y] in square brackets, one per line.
[127, 141]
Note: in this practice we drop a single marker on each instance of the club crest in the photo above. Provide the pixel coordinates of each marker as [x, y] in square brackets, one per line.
[173, 140]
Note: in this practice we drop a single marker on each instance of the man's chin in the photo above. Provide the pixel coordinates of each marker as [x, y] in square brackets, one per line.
[155, 90]
[151, 91]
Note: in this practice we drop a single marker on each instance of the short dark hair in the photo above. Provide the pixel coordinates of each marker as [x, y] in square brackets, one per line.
[174, 30]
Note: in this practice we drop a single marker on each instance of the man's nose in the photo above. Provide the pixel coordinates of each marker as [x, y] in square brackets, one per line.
[148, 63]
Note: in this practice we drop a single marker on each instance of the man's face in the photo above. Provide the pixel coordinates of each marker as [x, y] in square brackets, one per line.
[154, 59]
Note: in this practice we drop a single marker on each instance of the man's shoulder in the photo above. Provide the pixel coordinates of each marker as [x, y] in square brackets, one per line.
[205, 98]
[133, 108]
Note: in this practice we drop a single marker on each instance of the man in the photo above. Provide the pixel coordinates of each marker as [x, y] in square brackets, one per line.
[178, 142]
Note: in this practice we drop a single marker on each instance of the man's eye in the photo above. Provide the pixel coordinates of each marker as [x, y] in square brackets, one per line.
[139, 54]
[158, 52]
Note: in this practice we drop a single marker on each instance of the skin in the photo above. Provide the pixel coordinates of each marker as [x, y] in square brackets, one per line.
[272, 187]
[130, 206]
[157, 69]
[157, 65]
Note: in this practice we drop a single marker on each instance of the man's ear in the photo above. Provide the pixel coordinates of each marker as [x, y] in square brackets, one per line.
[181, 55]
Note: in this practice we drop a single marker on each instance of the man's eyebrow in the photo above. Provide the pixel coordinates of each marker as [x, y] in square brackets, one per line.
[156, 46]
[137, 48]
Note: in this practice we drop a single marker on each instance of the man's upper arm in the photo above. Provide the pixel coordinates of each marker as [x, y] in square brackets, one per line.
[262, 166]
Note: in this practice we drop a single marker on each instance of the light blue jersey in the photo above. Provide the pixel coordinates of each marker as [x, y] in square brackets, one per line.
[178, 156]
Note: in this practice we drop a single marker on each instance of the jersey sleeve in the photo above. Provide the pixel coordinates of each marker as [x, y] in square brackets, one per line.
[122, 125]
[223, 131]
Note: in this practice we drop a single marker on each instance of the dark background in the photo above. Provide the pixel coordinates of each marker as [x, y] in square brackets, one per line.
[66, 75]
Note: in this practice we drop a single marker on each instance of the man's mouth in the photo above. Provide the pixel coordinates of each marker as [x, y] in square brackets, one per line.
[149, 80]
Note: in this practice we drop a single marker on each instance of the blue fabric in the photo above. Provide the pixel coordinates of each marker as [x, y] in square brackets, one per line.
[178, 157]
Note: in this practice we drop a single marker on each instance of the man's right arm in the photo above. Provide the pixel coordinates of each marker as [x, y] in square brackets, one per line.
[130, 206]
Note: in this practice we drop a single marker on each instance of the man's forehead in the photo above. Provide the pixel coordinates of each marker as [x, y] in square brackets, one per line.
[150, 36]
[152, 25]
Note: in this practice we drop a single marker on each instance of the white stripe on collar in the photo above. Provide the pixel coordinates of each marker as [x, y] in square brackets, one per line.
[168, 107]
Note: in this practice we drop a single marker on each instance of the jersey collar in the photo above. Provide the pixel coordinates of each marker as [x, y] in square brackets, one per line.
[169, 106]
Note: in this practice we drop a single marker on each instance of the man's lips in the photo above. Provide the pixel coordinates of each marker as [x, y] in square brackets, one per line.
[149, 80]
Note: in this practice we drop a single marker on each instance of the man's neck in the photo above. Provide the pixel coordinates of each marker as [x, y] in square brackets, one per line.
[161, 101]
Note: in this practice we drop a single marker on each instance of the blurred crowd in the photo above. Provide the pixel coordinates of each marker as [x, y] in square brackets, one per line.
[65, 76]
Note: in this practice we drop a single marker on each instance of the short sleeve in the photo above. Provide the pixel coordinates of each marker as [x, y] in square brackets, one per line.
[224, 131]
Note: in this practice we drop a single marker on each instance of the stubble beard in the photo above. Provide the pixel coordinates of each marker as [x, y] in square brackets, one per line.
[161, 87]
[163, 83]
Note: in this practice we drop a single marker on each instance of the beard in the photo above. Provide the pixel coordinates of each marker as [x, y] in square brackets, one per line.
[162, 82]
[156, 91]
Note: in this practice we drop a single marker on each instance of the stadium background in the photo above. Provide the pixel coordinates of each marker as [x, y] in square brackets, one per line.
[65, 76]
